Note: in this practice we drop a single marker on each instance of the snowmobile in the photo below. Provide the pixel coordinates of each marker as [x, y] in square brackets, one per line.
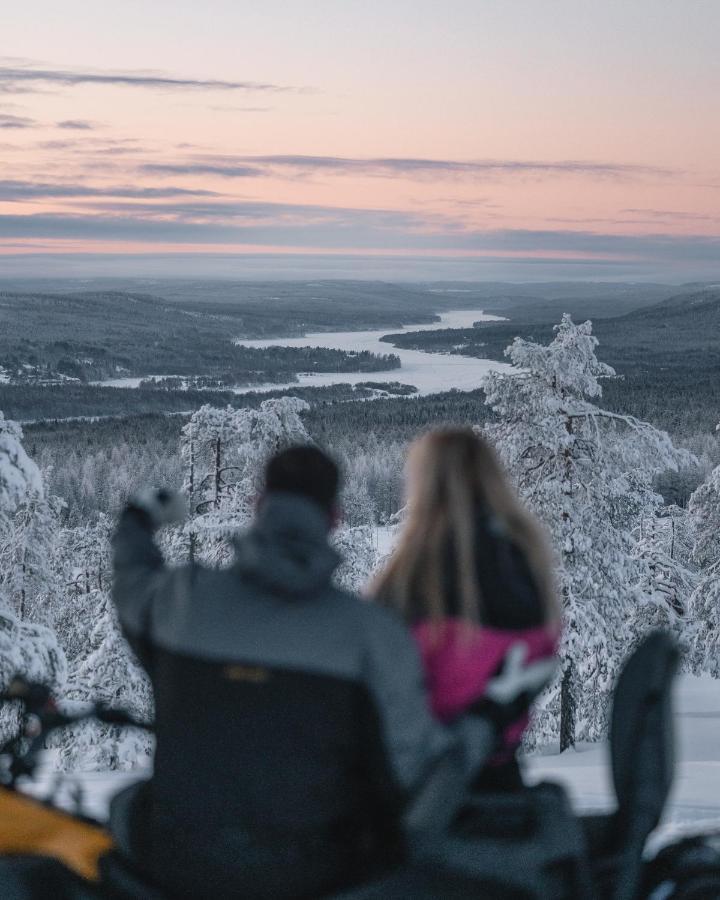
[524, 844]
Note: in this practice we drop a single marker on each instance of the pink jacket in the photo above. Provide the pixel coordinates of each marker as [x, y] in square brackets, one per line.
[460, 659]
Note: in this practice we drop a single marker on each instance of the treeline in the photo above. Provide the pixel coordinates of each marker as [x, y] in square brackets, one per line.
[33, 403]
[667, 354]
[94, 465]
[278, 365]
[98, 335]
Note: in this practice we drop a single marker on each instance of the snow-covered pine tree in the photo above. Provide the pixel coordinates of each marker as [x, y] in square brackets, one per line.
[27, 555]
[83, 561]
[106, 671]
[586, 472]
[26, 648]
[670, 581]
[358, 551]
[224, 451]
[704, 640]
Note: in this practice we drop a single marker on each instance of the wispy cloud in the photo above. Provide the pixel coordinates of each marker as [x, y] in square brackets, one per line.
[403, 167]
[417, 167]
[285, 226]
[77, 125]
[244, 109]
[672, 214]
[24, 78]
[16, 122]
[16, 190]
[230, 170]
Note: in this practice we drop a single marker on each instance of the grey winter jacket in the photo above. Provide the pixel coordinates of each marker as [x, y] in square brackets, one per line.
[284, 705]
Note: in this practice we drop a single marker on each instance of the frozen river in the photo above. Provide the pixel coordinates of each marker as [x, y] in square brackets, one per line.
[429, 372]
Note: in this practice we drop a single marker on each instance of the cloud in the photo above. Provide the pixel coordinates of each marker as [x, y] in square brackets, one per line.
[317, 229]
[12, 190]
[402, 167]
[22, 79]
[200, 168]
[250, 109]
[76, 125]
[672, 214]
[415, 167]
[9, 121]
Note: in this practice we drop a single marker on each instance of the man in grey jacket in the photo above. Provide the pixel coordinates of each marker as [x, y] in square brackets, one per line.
[292, 727]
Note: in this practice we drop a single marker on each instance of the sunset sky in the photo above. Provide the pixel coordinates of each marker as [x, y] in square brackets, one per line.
[464, 138]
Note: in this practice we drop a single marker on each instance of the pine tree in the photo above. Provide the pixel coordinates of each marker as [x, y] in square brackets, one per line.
[586, 472]
[356, 546]
[224, 451]
[106, 671]
[704, 640]
[26, 648]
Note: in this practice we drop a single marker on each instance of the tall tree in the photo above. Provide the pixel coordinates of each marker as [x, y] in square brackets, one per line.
[587, 473]
[26, 648]
[704, 641]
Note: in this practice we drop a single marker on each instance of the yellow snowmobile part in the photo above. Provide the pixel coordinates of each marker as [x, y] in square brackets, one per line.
[29, 827]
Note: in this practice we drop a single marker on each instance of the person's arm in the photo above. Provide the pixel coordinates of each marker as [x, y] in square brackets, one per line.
[423, 765]
[138, 565]
[413, 759]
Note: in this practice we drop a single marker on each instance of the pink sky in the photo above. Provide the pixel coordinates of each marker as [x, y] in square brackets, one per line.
[473, 129]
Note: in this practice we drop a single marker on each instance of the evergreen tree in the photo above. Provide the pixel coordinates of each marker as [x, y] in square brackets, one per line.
[704, 640]
[106, 671]
[26, 648]
[224, 451]
[587, 473]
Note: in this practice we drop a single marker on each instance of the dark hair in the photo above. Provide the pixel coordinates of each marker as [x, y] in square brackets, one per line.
[304, 470]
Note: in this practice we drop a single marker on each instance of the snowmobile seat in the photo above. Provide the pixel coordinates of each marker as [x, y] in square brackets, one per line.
[642, 762]
[121, 881]
[527, 845]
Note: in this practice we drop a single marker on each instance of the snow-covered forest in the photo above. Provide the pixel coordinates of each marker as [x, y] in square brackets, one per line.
[626, 561]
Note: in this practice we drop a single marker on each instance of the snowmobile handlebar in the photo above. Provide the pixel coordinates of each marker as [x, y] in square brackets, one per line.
[41, 717]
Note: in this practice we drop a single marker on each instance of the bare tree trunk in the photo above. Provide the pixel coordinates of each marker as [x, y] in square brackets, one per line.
[218, 467]
[567, 708]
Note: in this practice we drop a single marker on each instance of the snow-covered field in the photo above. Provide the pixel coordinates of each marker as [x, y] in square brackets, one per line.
[695, 800]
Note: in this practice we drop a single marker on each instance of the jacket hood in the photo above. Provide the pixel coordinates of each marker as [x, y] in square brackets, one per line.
[287, 549]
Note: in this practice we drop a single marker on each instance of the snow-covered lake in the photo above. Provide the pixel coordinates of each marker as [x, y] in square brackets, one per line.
[429, 372]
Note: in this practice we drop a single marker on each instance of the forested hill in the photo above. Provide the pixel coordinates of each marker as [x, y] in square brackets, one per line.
[96, 335]
[668, 353]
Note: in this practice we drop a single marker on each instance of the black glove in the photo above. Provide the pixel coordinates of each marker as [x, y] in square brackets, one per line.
[513, 688]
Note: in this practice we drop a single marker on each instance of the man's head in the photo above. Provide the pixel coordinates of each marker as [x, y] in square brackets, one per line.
[306, 471]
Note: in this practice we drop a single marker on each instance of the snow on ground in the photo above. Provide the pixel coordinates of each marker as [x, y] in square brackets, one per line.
[694, 803]
[695, 799]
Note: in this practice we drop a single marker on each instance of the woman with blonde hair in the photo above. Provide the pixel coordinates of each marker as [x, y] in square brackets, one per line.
[471, 575]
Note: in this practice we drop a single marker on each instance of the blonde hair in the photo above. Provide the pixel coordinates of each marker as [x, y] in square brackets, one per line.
[451, 474]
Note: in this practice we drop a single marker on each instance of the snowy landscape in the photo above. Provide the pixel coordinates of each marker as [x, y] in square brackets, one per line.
[628, 558]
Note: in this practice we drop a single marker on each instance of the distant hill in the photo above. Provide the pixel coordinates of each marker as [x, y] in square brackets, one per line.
[93, 335]
[681, 330]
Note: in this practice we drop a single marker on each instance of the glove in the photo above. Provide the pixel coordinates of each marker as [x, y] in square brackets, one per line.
[160, 507]
[510, 692]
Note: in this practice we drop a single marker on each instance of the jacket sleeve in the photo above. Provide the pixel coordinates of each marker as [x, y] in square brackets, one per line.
[138, 573]
[418, 761]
